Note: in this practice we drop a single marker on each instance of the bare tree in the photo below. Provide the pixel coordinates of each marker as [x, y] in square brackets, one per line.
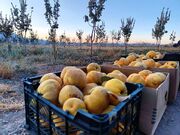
[126, 28]
[159, 28]
[21, 19]
[33, 37]
[79, 34]
[73, 40]
[88, 38]
[106, 39]
[62, 38]
[112, 33]
[172, 37]
[95, 8]
[68, 40]
[100, 33]
[52, 15]
[115, 35]
[6, 28]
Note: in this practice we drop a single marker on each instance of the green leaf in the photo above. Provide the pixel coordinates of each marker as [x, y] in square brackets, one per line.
[106, 78]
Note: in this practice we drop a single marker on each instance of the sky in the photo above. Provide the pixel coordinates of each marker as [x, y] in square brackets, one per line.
[145, 12]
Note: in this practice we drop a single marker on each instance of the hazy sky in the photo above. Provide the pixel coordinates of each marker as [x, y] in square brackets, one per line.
[71, 19]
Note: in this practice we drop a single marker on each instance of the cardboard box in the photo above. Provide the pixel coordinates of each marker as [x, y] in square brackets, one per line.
[174, 78]
[153, 104]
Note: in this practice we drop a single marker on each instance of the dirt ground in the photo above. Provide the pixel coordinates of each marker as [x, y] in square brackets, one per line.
[12, 115]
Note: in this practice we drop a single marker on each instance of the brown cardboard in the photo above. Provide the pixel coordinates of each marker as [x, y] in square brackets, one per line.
[153, 104]
[174, 78]
[174, 81]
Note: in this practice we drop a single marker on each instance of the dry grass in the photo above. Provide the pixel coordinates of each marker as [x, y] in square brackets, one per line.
[10, 107]
[6, 70]
[4, 88]
[69, 55]
[10, 100]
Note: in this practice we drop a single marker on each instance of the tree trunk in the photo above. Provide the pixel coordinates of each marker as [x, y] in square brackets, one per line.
[158, 47]
[172, 43]
[80, 44]
[34, 45]
[24, 43]
[99, 45]
[9, 48]
[158, 44]
[125, 45]
[54, 51]
[92, 34]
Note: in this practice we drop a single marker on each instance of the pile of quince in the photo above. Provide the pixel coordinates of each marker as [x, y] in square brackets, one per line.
[92, 90]
[145, 61]
[76, 89]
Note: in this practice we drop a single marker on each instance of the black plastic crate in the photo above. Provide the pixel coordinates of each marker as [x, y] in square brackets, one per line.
[45, 118]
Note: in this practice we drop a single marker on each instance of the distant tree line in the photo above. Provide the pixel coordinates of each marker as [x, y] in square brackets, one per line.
[20, 22]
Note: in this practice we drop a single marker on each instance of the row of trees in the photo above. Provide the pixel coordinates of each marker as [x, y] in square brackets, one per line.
[94, 18]
[20, 22]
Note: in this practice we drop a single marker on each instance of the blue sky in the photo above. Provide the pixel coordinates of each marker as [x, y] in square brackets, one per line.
[71, 19]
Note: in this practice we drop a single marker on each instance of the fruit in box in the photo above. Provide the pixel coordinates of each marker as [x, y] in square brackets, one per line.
[155, 79]
[50, 76]
[158, 55]
[103, 84]
[157, 64]
[69, 91]
[108, 109]
[132, 63]
[50, 89]
[75, 76]
[65, 69]
[59, 122]
[116, 72]
[141, 56]
[116, 86]
[136, 78]
[116, 63]
[139, 64]
[131, 58]
[72, 105]
[144, 58]
[95, 77]
[171, 63]
[151, 54]
[166, 66]
[119, 76]
[162, 75]
[145, 73]
[93, 67]
[123, 62]
[97, 101]
[87, 89]
[113, 98]
[139, 59]
[149, 63]
[43, 111]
